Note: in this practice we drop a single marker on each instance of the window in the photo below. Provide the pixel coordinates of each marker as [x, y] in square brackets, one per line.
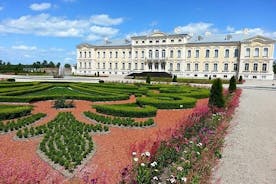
[150, 41]
[150, 66]
[157, 54]
[162, 66]
[116, 65]
[156, 66]
[129, 54]
[235, 67]
[188, 66]
[89, 64]
[265, 54]
[189, 53]
[179, 53]
[143, 41]
[110, 65]
[89, 54]
[136, 66]
[136, 54]
[164, 41]
[84, 54]
[103, 54]
[207, 53]
[124, 66]
[264, 67]
[150, 54]
[116, 54]
[256, 52]
[129, 66]
[236, 53]
[103, 65]
[124, 54]
[226, 67]
[142, 66]
[99, 55]
[206, 66]
[163, 53]
[196, 67]
[246, 67]
[255, 67]
[216, 53]
[171, 54]
[197, 53]
[98, 65]
[172, 41]
[80, 54]
[215, 67]
[225, 76]
[157, 41]
[247, 52]
[136, 42]
[110, 54]
[227, 53]
[171, 66]
[143, 54]
[179, 40]
[178, 67]
[85, 65]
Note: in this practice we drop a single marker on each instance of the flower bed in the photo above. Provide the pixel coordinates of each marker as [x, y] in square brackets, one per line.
[14, 111]
[128, 122]
[126, 110]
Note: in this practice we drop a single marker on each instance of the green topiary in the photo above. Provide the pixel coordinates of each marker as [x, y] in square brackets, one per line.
[148, 80]
[216, 94]
[174, 78]
[240, 79]
[232, 85]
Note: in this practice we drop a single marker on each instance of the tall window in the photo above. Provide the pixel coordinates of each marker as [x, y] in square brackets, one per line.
[98, 65]
[196, 67]
[197, 53]
[188, 66]
[189, 53]
[116, 65]
[129, 54]
[236, 53]
[156, 66]
[103, 65]
[150, 66]
[89, 64]
[256, 52]
[129, 66]
[124, 54]
[163, 53]
[264, 67]
[103, 54]
[235, 67]
[247, 52]
[136, 54]
[143, 54]
[255, 67]
[171, 54]
[110, 65]
[84, 54]
[216, 53]
[265, 54]
[110, 54]
[124, 66]
[171, 66]
[206, 66]
[207, 53]
[89, 54]
[163, 66]
[179, 53]
[99, 55]
[142, 66]
[246, 67]
[80, 54]
[215, 67]
[136, 66]
[227, 53]
[150, 54]
[157, 54]
[226, 67]
[178, 66]
[116, 54]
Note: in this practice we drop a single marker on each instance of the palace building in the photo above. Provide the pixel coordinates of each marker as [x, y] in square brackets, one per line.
[184, 55]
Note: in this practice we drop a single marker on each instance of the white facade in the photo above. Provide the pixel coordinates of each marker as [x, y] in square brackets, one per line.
[182, 55]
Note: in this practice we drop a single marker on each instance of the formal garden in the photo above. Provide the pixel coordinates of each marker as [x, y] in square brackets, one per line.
[112, 132]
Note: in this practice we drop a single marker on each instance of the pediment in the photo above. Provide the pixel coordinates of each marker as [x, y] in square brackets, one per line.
[259, 39]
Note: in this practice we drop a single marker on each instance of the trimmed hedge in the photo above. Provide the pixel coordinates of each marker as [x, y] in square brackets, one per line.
[126, 110]
[128, 122]
[14, 111]
[167, 102]
[27, 90]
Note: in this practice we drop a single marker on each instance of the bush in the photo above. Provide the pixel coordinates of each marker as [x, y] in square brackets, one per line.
[61, 103]
[14, 111]
[148, 80]
[174, 78]
[240, 79]
[232, 85]
[126, 110]
[11, 80]
[216, 94]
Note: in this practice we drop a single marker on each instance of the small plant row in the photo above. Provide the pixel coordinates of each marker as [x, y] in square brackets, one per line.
[66, 141]
[126, 110]
[17, 124]
[128, 122]
[28, 89]
[14, 111]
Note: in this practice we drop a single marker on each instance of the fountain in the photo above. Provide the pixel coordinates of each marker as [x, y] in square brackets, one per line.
[60, 73]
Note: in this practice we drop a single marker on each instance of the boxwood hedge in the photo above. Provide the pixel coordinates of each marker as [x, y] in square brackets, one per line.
[14, 111]
[126, 110]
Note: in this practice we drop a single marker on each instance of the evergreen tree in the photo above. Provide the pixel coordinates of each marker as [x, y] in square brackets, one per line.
[240, 79]
[148, 79]
[232, 85]
[174, 78]
[216, 94]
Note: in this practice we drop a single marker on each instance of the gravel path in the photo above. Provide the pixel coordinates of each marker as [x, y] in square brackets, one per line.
[249, 156]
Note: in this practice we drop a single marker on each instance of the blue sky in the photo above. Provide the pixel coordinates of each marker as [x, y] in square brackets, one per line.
[37, 30]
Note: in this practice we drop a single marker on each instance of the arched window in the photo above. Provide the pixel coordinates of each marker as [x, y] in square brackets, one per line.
[256, 53]
[264, 67]
[255, 67]
[247, 52]
[236, 53]
[124, 54]
[163, 53]
[171, 54]
[178, 66]
[206, 66]
[156, 53]
[215, 67]
[216, 53]
[197, 53]
[89, 54]
[110, 54]
[189, 53]
[99, 55]
[207, 53]
[150, 54]
[143, 54]
[84, 54]
[179, 53]
[80, 54]
[103, 54]
[227, 53]
[116, 54]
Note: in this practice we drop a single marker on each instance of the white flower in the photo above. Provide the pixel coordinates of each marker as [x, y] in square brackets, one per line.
[191, 142]
[184, 179]
[179, 168]
[197, 153]
[181, 106]
[172, 180]
[156, 170]
[185, 151]
[135, 159]
[155, 178]
[143, 165]
[199, 144]
[147, 154]
[134, 153]
[153, 164]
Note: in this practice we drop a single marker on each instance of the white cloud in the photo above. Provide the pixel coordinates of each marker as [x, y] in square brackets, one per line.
[47, 25]
[142, 33]
[251, 31]
[105, 20]
[24, 47]
[230, 29]
[196, 28]
[40, 6]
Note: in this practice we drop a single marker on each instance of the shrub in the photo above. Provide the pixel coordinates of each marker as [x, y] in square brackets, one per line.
[232, 84]
[174, 78]
[148, 80]
[14, 111]
[216, 94]
[11, 80]
[61, 103]
[240, 79]
[126, 110]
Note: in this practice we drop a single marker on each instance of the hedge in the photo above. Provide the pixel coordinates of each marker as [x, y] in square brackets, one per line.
[27, 90]
[128, 122]
[126, 110]
[176, 103]
[13, 111]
